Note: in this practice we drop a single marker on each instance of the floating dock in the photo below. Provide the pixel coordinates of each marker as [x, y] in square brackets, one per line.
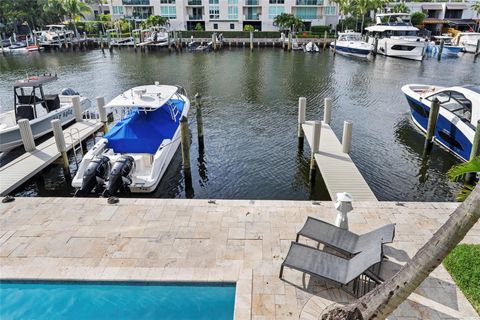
[17, 172]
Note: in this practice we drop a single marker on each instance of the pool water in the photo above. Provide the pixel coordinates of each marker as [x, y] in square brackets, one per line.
[115, 300]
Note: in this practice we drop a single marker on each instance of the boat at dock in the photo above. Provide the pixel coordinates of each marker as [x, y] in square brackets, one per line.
[30, 102]
[458, 115]
[311, 47]
[449, 49]
[351, 43]
[135, 153]
[397, 37]
[54, 35]
[469, 40]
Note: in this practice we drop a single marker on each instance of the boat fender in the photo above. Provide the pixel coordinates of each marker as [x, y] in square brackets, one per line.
[94, 176]
[119, 177]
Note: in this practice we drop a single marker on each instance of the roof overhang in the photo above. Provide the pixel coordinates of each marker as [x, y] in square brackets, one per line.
[432, 6]
[457, 6]
[34, 81]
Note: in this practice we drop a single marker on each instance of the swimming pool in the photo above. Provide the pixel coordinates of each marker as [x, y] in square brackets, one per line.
[115, 300]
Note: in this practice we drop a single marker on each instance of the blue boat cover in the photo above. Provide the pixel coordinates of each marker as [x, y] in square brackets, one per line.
[143, 132]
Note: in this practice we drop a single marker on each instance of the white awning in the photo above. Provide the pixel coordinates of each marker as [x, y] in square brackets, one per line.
[148, 97]
[457, 6]
[432, 6]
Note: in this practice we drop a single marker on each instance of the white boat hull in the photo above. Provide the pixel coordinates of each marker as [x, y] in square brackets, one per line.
[406, 49]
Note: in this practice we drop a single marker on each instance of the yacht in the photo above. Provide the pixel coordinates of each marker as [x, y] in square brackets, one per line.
[351, 43]
[449, 49]
[458, 115]
[39, 108]
[467, 39]
[396, 36]
[135, 153]
[56, 33]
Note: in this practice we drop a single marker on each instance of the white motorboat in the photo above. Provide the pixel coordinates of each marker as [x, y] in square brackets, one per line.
[458, 115]
[351, 43]
[55, 34]
[40, 109]
[468, 40]
[311, 47]
[157, 35]
[397, 37]
[135, 153]
[449, 49]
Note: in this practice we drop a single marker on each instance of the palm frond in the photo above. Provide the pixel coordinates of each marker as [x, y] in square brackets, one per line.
[457, 171]
[464, 192]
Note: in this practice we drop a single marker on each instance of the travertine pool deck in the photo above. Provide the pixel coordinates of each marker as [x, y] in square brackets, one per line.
[224, 240]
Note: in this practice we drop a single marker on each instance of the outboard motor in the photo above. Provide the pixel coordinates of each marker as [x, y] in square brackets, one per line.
[119, 179]
[94, 176]
[69, 92]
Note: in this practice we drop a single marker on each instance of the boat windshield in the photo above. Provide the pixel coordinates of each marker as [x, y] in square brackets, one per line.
[350, 37]
[456, 103]
[396, 20]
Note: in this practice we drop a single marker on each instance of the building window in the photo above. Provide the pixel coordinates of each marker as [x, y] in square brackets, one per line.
[232, 12]
[453, 14]
[169, 12]
[214, 11]
[330, 10]
[230, 2]
[215, 26]
[306, 13]
[168, 1]
[274, 11]
[213, 1]
[232, 26]
[277, 1]
[116, 10]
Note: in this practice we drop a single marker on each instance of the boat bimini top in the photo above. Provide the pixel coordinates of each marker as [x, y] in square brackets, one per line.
[145, 98]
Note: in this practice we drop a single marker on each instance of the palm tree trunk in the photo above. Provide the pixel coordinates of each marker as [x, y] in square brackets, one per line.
[363, 21]
[383, 300]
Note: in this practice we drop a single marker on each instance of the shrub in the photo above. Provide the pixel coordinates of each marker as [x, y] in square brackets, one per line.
[198, 27]
[319, 29]
[417, 18]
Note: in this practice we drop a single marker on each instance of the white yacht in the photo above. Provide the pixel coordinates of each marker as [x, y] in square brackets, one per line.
[39, 108]
[397, 37]
[55, 34]
[135, 153]
[468, 40]
[351, 43]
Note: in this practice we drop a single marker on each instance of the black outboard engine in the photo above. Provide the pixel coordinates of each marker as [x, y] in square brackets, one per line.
[69, 92]
[119, 179]
[94, 176]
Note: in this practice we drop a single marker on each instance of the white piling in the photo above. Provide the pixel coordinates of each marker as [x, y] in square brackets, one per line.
[60, 141]
[26, 134]
[327, 113]
[347, 136]
[302, 106]
[102, 112]
[317, 126]
[77, 108]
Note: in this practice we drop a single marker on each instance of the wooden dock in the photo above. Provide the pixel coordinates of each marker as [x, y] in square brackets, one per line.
[17, 172]
[337, 168]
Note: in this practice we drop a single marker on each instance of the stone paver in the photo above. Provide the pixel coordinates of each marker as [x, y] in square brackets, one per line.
[221, 241]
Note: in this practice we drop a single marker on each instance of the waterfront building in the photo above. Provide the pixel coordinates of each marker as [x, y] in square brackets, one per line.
[443, 15]
[227, 15]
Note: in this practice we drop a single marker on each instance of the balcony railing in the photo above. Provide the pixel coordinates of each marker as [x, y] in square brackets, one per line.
[252, 3]
[136, 2]
[141, 16]
[309, 2]
[255, 16]
[194, 2]
[195, 17]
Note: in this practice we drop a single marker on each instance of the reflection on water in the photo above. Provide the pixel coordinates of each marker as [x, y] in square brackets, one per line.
[250, 114]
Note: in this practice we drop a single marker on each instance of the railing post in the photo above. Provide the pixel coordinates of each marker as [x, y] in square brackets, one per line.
[347, 136]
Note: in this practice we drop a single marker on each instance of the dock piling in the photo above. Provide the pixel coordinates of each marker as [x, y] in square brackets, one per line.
[475, 152]
[60, 142]
[1, 46]
[335, 46]
[317, 126]
[102, 113]
[289, 48]
[198, 105]
[432, 122]
[347, 136]
[327, 113]
[27, 135]
[185, 141]
[302, 106]
[375, 46]
[325, 40]
[477, 50]
[251, 40]
[442, 43]
[77, 108]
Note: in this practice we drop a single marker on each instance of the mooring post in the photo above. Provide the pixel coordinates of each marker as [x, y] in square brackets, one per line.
[475, 152]
[198, 105]
[335, 46]
[302, 106]
[27, 135]
[327, 113]
[347, 136]
[432, 122]
[1, 45]
[185, 141]
[77, 108]
[442, 43]
[477, 50]
[282, 37]
[375, 45]
[214, 42]
[317, 126]
[325, 40]
[101, 42]
[60, 142]
[102, 112]
[251, 40]
[289, 48]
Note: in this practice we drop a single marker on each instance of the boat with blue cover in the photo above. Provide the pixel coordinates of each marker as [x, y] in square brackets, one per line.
[449, 49]
[135, 153]
[458, 115]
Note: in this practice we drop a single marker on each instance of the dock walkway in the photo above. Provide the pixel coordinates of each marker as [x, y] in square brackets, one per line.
[17, 172]
[337, 168]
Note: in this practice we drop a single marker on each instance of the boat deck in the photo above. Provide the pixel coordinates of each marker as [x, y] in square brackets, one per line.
[17, 172]
[337, 168]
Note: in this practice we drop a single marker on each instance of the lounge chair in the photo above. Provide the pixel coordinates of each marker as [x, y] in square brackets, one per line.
[352, 275]
[344, 241]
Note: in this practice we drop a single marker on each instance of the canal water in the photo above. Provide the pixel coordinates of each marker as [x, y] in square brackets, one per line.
[250, 114]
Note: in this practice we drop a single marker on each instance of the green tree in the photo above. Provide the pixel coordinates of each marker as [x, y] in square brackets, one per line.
[458, 171]
[75, 9]
[417, 18]
[345, 7]
[198, 27]
[248, 28]
[53, 11]
[476, 8]
[153, 21]
[401, 8]
[287, 21]
[363, 6]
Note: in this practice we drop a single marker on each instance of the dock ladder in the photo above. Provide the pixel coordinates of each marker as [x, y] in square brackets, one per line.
[74, 135]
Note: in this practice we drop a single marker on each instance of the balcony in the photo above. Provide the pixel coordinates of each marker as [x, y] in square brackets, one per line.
[141, 16]
[136, 2]
[194, 3]
[253, 3]
[252, 17]
[309, 2]
[195, 17]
